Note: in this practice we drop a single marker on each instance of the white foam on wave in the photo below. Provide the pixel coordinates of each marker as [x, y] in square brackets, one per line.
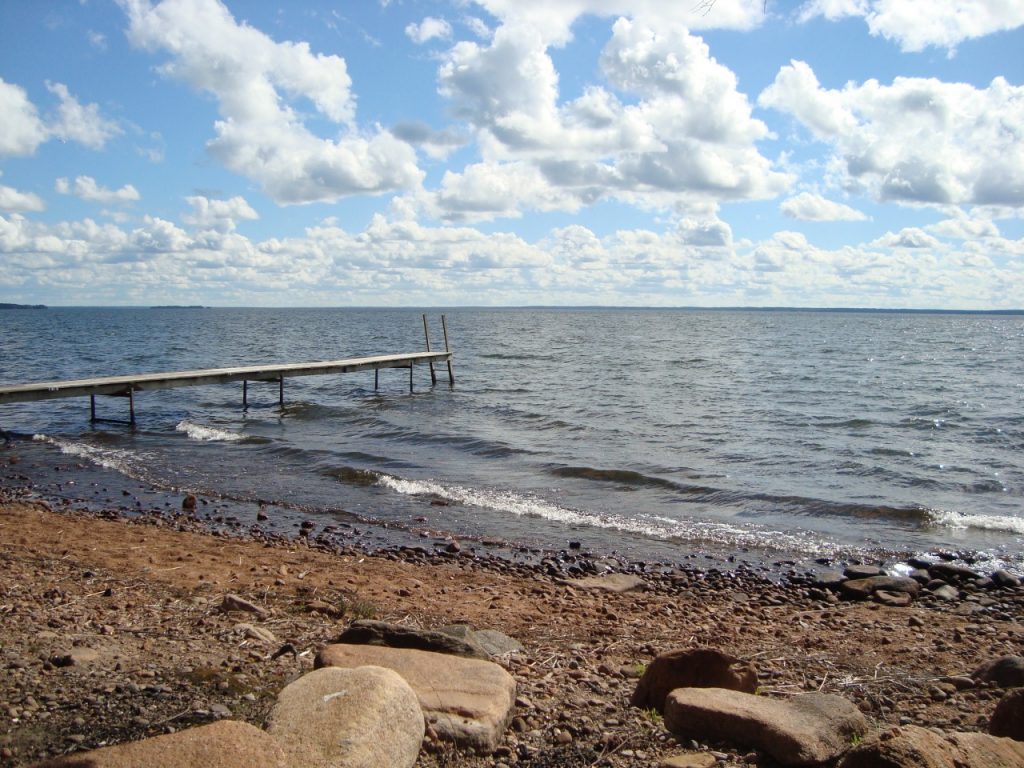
[959, 520]
[207, 434]
[644, 525]
[119, 460]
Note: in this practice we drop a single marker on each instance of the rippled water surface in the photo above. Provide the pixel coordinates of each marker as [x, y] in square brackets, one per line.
[652, 431]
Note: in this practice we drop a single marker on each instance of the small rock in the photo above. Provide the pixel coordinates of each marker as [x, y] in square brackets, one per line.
[951, 572]
[236, 603]
[946, 592]
[960, 682]
[612, 582]
[76, 656]
[1005, 579]
[1008, 718]
[860, 589]
[688, 760]
[1006, 672]
[862, 571]
[262, 634]
[894, 599]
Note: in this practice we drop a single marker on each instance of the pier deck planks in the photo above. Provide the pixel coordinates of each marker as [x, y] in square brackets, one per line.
[122, 385]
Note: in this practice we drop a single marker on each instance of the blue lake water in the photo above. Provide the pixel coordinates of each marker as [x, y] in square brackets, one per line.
[654, 432]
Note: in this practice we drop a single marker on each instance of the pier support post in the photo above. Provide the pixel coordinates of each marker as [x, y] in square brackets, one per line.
[92, 408]
[131, 406]
[410, 377]
[245, 394]
[444, 327]
[280, 392]
[426, 335]
[376, 378]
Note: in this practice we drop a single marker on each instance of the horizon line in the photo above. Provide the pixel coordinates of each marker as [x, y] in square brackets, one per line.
[617, 307]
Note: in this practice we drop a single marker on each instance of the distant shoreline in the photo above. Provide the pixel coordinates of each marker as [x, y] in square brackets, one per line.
[558, 308]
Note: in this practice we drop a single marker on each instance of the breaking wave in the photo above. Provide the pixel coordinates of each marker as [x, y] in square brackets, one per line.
[652, 526]
[126, 462]
[959, 520]
[207, 434]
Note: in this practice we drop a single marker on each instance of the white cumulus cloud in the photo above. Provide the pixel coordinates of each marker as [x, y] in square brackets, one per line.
[404, 262]
[86, 188]
[919, 24]
[15, 201]
[554, 20]
[684, 134]
[257, 83]
[218, 215]
[428, 29]
[918, 140]
[910, 237]
[21, 130]
[810, 207]
[80, 122]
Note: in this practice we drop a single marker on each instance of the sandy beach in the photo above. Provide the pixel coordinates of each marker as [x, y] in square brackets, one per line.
[112, 631]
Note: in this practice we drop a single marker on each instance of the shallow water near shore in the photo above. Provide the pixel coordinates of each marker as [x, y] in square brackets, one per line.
[660, 433]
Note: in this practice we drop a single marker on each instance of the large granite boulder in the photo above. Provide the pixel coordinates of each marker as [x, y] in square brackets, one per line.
[226, 744]
[692, 668]
[808, 729]
[467, 701]
[914, 747]
[367, 717]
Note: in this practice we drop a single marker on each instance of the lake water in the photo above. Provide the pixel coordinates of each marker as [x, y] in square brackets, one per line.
[660, 433]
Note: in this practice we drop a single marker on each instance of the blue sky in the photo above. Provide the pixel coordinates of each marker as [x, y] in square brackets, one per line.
[840, 153]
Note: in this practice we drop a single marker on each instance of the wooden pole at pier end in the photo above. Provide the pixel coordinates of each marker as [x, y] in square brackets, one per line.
[426, 335]
[451, 373]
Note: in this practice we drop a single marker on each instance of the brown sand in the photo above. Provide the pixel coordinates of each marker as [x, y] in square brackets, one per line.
[135, 606]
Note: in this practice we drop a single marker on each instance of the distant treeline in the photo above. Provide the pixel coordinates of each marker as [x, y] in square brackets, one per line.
[21, 306]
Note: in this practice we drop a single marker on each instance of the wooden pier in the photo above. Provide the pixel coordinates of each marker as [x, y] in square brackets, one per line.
[127, 386]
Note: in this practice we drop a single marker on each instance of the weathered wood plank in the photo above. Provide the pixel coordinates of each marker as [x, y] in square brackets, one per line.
[120, 385]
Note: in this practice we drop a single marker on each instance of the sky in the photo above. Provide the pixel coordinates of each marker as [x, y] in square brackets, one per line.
[813, 153]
